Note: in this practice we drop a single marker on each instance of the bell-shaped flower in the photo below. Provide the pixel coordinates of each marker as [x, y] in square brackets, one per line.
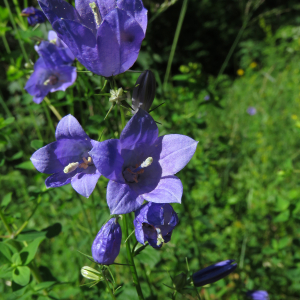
[141, 165]
[154, 223]
[34, 16]
[213, 273]
[105, 36]
[67, 159]
[50, 73]
[144, 91]
[258, 295]
[106, 246]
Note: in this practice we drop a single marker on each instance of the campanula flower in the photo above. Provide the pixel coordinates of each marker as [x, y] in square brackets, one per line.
[67, 159]
[106, 246]
[50, 73]
[34, 16]
[213, 273]
[141, 165]
[105, 36]
[251, 110]
[144, 91]
[258, 295]
[154, 222]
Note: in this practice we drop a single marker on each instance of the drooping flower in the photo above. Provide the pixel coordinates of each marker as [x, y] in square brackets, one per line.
[141, 165]
[34, 16]
[50, 74]
[67, 159]
[64, 52]
[106, 246]
[144, 91]
[154, 223]
[105, 36]
[258, 295]
[251, 110]
[213, 273]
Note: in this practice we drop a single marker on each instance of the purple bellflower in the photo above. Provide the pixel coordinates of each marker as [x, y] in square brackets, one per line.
[141, 165]
[104, 35]
[34, 16]
[251, 110]
[258, 295]
[50, 74]
[213, 273]
[154, 223]
[68, 159]
[106, 246]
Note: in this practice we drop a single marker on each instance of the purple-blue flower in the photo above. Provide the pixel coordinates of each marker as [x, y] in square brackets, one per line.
[141, 165]
[258, 295]
[67, 159]
[251, 110]
[154, 223]
[106, 246]
[207, 97]
[34, 16]
[104, 35]
[51, 73]
[213, 273]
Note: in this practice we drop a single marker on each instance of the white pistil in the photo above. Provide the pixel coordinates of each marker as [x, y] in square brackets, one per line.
[96, 13]
[147, 162]
[160, 239]
[71, 167]
[116, 95]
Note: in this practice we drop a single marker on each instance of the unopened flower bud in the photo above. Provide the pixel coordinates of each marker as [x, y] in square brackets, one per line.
[213, 273]
[144, 91]
[154, 222]
[180, 281]
[106, 246]
[91, 273]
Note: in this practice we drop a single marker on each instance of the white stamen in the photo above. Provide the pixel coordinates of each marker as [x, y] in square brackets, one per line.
[147, 162]
[53, 41]
[160, 239]
[116, 95]
[71, 167]
[96, 13]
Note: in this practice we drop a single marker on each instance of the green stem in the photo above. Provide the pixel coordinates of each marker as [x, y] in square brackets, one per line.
[35, 124]
[122, 116]
[175, 40]
[85, 214]
[174, 295]
[131, 261]
[108, 287]
[196, 291]
[6, 45]
[49, 117]
[17, 31]
[5, 223]
[54, 110]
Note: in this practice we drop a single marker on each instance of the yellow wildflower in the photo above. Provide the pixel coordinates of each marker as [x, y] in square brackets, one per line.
[240, 72]
[253, 65]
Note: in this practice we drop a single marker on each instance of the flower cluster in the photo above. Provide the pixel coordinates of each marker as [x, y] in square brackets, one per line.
[52, 71]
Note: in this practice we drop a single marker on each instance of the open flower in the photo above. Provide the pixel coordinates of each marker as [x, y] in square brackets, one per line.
[50, 74]
[105, 36]
[68, 159]
[213, 273]
[34, 16]
[106, 246]
[154, 223]
[141, 165]
[258, 295]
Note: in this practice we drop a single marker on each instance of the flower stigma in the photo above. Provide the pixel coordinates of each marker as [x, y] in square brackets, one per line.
[74, 165]
[160, 239]
[52, 80]
[96, 13]
[132, 176]
[116, 95]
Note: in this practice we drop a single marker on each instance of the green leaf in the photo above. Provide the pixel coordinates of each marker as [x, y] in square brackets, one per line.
[36, 144]
[27, 254]
[6, 199]
[5, 254]
[26, 165]
[5, 271]
[16, 156]
[48, 232]
[16, 259]
[6, 122]
[282, 204]
[282, 217]
[44, 285]
[21, 275]
[282, 243]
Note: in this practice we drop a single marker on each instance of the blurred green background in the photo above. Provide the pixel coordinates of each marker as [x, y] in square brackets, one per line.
[241, 189]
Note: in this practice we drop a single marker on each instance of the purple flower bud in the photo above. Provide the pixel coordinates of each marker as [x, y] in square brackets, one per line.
[34, 16]
[106, 246]
[144, 91]
[258, 295]
[213, 273]
[154, 222]
[207, 97]
[251, 110]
